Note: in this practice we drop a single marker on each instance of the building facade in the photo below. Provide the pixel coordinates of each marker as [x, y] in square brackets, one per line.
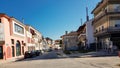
[85, 35]
[106, 24]
[12, 37]
[89, 34]
[49, 42]
[34, 39]
[58, 44]
[70, 41]
[17, 38]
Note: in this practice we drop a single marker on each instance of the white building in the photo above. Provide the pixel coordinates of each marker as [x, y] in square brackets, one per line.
[34, 38]
[89, 32]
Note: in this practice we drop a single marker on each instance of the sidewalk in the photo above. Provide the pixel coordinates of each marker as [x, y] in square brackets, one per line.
[89, 54]
[11, 60]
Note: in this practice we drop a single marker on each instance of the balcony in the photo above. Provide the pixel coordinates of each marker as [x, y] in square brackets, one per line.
[106, 31]
[82, 36]
[2, 38]
[105, 13]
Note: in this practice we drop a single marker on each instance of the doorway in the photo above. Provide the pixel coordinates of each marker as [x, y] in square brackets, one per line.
[18, 48]
[13, 51]
[1, 52]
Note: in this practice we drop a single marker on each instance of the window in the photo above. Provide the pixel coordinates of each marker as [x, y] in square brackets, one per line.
[19, 29]
[22, 42]
[96, 30]
[99, 28]
[117, 8]
[0, 20]
[102, 28]
[117, 25]
[12, 41]
[114, 8]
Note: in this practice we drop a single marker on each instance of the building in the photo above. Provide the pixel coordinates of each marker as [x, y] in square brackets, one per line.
[85, 36]
[58, 44]
[45, 45]
[89, 34]
[34, 38]
[70, 41]
[49, 42]
[106, 23]
[82, 36]
[12, 37]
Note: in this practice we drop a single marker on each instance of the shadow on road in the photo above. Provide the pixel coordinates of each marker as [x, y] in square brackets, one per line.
[46, 56]
[57, 55]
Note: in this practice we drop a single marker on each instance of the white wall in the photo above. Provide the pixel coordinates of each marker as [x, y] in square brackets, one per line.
[89, 32]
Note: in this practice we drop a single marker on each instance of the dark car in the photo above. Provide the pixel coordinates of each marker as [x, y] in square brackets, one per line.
[33, 53]
[37, 52]
[27, 54]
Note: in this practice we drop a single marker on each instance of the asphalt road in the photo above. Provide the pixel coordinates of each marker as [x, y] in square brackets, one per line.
[52, 60]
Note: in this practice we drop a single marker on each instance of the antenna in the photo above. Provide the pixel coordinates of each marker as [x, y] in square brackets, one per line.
[87, 17]
[22, 20]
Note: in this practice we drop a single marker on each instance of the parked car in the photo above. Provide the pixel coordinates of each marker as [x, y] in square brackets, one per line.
[33, 53]
[37, 52]
[119, 53]
[27, 54]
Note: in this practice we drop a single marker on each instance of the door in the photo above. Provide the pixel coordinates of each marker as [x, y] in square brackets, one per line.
[13, 51]
[18, 48]
[1, 52]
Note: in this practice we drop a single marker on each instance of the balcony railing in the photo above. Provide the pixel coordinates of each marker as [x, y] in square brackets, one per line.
[82, 35]
[107, 31]
[104, 13]
[2, 32]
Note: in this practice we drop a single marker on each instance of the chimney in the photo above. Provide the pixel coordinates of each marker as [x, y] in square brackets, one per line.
[66, 32]
[87, 17]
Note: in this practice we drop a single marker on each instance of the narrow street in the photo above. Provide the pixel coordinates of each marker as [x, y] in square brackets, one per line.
[52, 60]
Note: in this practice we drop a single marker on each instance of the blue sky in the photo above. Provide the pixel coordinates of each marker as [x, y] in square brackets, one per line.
[51, 17]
